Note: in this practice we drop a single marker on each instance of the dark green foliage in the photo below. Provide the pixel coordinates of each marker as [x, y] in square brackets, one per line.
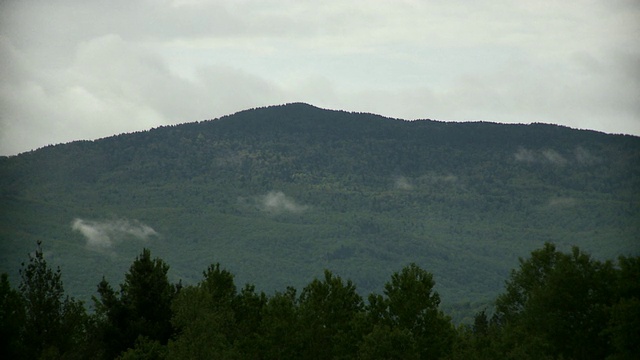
[54, 324]
[281, 326]
[329, 309]
[623, 328]
[12, 317]
[384, 342]
[204, 326]
[463, 199]
[556, 305]
[140, 310]
[410, 304]
[560, 305]
[625, 313]
[214, 321]
[145, 349]
[561, 298]
[249, 307]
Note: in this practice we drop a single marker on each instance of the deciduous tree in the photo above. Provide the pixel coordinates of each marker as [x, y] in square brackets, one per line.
[556, 304]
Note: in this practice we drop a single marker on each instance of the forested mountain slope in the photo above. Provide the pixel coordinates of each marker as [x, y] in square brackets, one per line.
[278, 194]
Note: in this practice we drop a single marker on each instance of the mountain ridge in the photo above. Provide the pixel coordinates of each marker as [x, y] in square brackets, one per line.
[295, 189]
[305, 106]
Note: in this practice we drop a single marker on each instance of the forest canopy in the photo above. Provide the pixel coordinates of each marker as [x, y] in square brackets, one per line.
[554, 305]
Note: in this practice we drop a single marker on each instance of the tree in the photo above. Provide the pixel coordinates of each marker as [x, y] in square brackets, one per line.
[144, 349]
[329, 309]
[204, 318]
[54, 325]
[142, 308]
[280, 328]
[384, 342]
[248, 307]
[411, 304]
[625, 312]
[478, 341]
[12, 317]
[557, 304]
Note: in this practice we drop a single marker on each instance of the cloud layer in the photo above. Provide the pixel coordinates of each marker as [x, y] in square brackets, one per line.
[104, 235]
[82, 70]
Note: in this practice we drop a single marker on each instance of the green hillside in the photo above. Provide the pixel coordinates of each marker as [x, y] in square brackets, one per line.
[278, 194]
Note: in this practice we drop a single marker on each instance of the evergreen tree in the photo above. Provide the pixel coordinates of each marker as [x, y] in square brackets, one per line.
[141, 309]
[12, 317]
[54, 325]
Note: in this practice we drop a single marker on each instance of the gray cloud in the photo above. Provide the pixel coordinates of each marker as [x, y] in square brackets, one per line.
[278, 202]
[105, 235]
[82, 70]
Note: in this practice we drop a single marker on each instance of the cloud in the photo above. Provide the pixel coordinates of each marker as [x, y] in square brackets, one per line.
[554, 157]
[278, 202]
[561, 202]
[82, 70]
[581, 156]
[584, 156]
[525, 155]
[438, 178]
[104, 235]
[403, 183]
[429, 179]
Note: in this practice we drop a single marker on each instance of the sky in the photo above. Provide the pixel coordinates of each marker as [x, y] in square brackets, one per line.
[72, 69]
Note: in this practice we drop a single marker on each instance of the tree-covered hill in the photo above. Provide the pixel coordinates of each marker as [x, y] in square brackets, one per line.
[278, 194]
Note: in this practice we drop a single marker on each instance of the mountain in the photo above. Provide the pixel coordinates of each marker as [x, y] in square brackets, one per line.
[278, 194]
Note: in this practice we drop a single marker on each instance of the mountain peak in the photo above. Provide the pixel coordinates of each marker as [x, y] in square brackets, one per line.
[296, 189]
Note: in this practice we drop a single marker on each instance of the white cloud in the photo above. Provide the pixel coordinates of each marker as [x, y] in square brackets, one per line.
[546, 156]
[580, 156]
[104, 235]
[277, 202]
[403, 183]
[554, 157]
[525, 155]
[584, 156]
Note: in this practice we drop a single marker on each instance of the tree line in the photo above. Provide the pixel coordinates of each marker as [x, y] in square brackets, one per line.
[555, 305]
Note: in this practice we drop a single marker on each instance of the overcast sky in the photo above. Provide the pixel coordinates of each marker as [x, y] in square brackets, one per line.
[72, 69]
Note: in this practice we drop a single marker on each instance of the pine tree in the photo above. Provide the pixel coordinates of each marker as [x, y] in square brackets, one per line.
[54, 324]
[140, 311]
[12, 317]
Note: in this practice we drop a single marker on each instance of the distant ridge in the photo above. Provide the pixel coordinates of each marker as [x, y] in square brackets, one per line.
[277, 194]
